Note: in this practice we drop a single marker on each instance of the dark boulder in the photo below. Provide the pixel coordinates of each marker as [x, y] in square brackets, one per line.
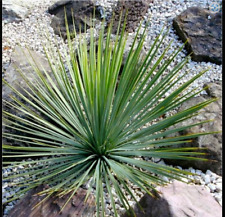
[136, 9]
[51, 207]
[203, 30]
[79, 11]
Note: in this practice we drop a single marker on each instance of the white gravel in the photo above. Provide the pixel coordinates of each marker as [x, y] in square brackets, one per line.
[161, 12]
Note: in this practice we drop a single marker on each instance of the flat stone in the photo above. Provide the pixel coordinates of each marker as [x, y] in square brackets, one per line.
[15, 10]
[178, 200]
[204, 35]
[22, 59]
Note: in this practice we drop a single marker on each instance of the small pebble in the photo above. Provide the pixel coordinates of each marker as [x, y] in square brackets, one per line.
[192, 170]
[212, 187]
[208, 172]
[207, 179]
[162, 163]
[207, 188]
[218, 187]
[185, 180]
[180, 168]
[165, 178]
[219, 180]
[7, 194]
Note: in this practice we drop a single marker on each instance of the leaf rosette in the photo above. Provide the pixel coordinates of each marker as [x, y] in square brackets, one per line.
[97, 122]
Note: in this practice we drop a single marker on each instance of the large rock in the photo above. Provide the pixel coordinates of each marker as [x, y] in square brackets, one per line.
[179, 200]
[82, 12]
[203, 30]
[136, 10]
[15, 10]
[21, 59]
[212, 142]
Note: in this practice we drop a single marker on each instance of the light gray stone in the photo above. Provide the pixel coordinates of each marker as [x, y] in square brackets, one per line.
[20, 61]
[4, 200]
[219, 187]
[179, 200]
[15, 10]
[198, 172]
[212, 187]
[207, 179]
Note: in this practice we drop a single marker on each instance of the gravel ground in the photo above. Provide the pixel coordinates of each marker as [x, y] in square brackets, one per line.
[161, 12]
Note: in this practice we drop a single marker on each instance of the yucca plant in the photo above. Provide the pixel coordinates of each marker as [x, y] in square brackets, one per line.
[98, 124]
